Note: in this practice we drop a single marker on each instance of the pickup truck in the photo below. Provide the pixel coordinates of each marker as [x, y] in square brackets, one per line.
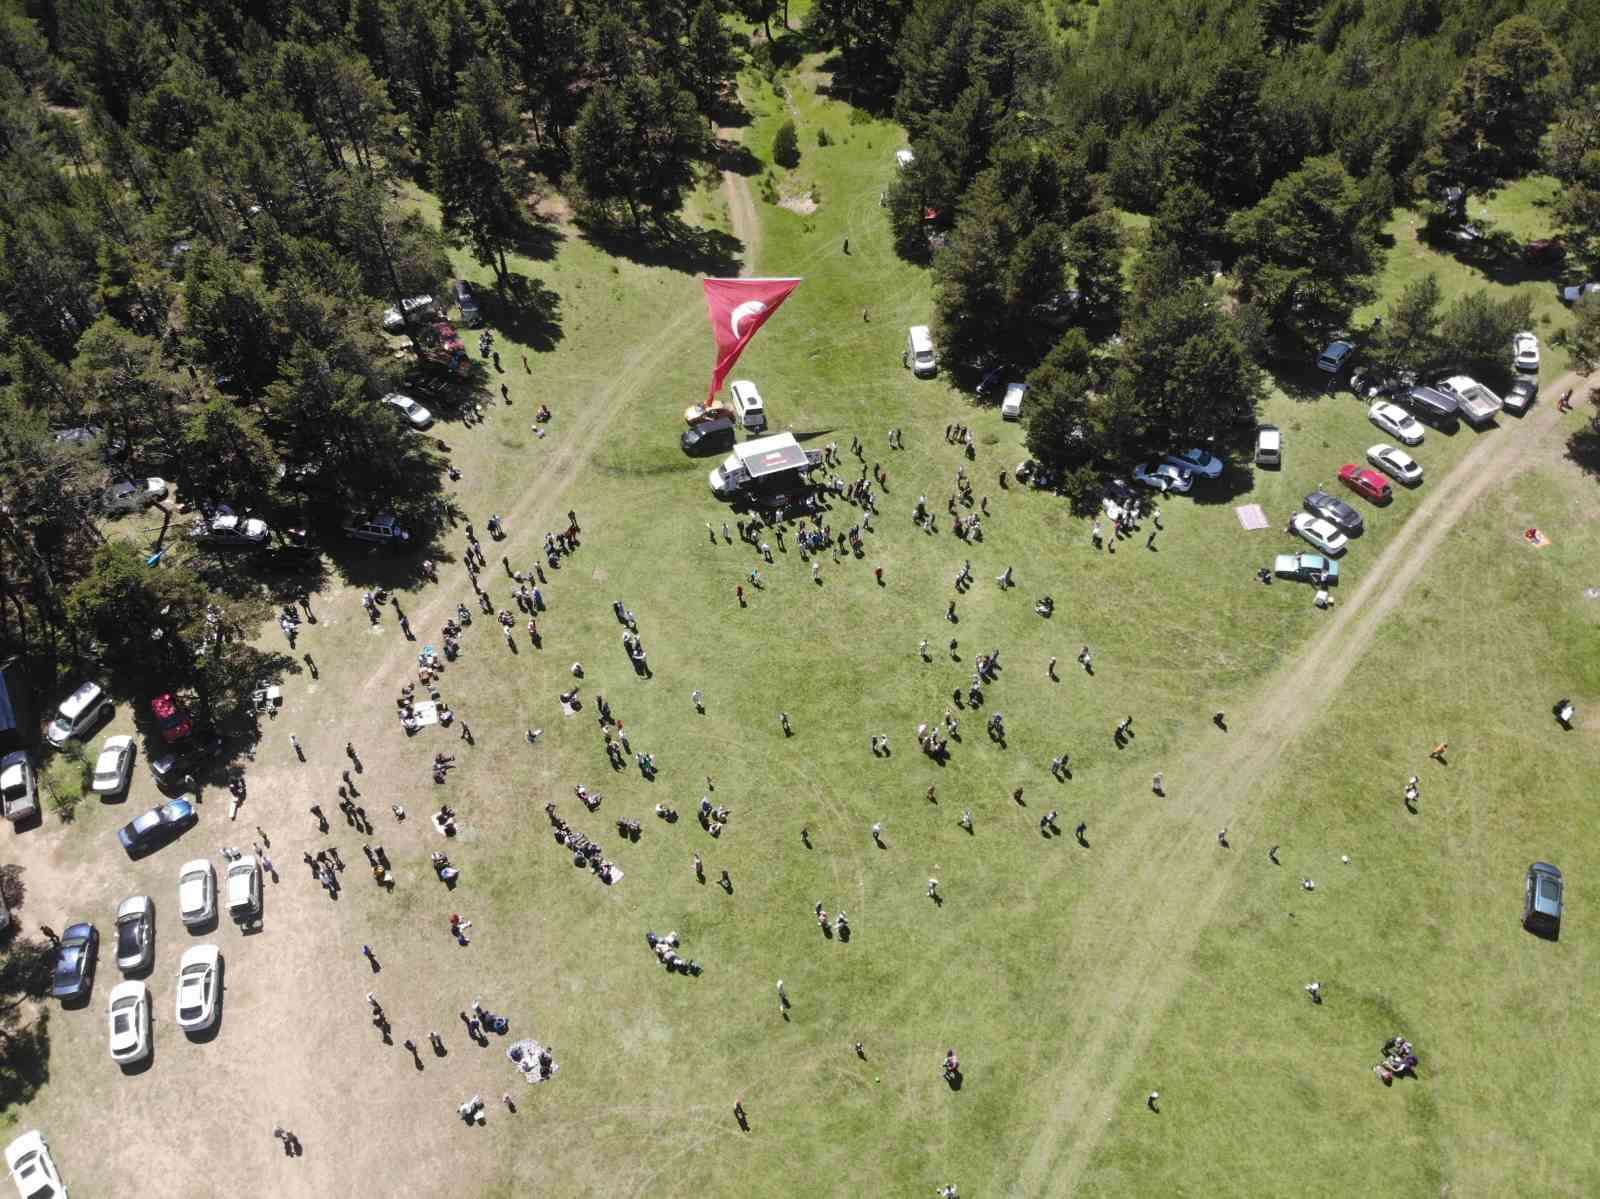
[1475, 402]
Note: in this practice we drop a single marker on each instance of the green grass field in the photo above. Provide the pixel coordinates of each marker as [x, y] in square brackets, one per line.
[1072, 980]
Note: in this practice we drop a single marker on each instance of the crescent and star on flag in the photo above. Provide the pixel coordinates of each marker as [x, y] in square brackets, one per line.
[738, 308]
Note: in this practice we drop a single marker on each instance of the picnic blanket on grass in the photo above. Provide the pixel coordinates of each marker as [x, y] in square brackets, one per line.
[1251, 516]
[425, 713]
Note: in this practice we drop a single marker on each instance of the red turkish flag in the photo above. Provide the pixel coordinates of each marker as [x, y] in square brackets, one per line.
[739, 307]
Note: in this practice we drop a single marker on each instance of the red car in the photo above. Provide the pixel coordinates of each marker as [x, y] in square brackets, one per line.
[1547, 249]
[173, 718]
[1367, 483]
[448, 338]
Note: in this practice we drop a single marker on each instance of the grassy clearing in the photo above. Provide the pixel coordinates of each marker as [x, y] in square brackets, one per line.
[1258, 1083]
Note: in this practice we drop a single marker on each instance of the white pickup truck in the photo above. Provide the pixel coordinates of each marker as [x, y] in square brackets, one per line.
[1475, 402]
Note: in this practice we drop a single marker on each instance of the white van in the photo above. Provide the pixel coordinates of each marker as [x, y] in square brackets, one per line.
[1011, 406]
[1269, 446]
[919, 352]
[77, 714]
[747, 403]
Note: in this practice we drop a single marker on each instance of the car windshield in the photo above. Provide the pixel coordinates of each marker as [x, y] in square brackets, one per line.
[1549, 890]
[128, 935]
[147, 822]
[14, 787]
[69, 960]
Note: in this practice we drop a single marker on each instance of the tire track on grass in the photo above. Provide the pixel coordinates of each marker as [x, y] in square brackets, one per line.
[1142, 967]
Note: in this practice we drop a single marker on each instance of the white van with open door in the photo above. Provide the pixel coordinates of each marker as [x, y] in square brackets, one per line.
[919, 352]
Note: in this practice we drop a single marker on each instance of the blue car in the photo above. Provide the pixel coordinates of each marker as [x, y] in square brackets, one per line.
[157, 826]
[75, 959]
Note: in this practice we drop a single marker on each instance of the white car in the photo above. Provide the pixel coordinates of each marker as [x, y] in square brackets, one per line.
[414, 412]
[1525, 352]
[132, 494]
[1320, 533]
[1396, 422]
[32, 1169]
[199, 984]
[113, 766]
[136, 933]
[394, 319]
[129, 1013]
[243, 889]
[1397, 464]
[1197, 461]
[197, 893]
[229, 528]
[1164, 477]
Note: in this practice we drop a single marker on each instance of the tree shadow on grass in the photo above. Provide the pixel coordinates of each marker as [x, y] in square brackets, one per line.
[538, 238]
[670, 243]
[1583, 449]
[25, 1062]
[729, 112]
[530, 314]
[738, 158]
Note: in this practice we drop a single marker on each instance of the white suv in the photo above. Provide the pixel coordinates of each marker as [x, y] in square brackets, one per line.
[77, 714]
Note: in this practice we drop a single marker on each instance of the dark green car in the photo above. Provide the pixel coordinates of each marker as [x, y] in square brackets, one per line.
[1541, 908]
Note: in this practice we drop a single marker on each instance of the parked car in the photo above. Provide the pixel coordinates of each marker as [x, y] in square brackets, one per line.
[467, 301]
[136, 933]
[1335, 356]
[19, 786]
[75, 960]
[1307, 568]
[78, 713]
[1366, 483]
[172, 718]
[394, 319]
[229, 529]
[199, 985]
[903, 159]
[1520, 395]
[696, 414]
[709, 437]
[244, 890]
[1432, 406]
[1269, 446]
[32, 1168]
[155, 828]
[1541, 904]
[1318, 532]
[1335, 511]
[128, 1012]
[1395, 463]
[444, 335]
[169, 769]
[1163, 477]
[382, 528]
[1525, 352]
[1011, 403]
[1545, 249]
[130, 495]
[1396, 422]
[1575, 293]
[1197, 462]
[1475, 401]
[197, 893]
[415, 413]
[748, 404]
[114, 766]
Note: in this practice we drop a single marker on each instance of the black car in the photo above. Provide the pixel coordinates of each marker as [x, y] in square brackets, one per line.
[169, 769]
[1521, 395]
[75, 957]
[710, 437]
[1431, 406]
[1333, 509]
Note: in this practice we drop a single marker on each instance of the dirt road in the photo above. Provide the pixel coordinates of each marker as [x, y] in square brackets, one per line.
[1141, 965]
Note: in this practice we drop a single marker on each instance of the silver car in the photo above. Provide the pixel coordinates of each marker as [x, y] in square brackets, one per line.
[136, 933]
